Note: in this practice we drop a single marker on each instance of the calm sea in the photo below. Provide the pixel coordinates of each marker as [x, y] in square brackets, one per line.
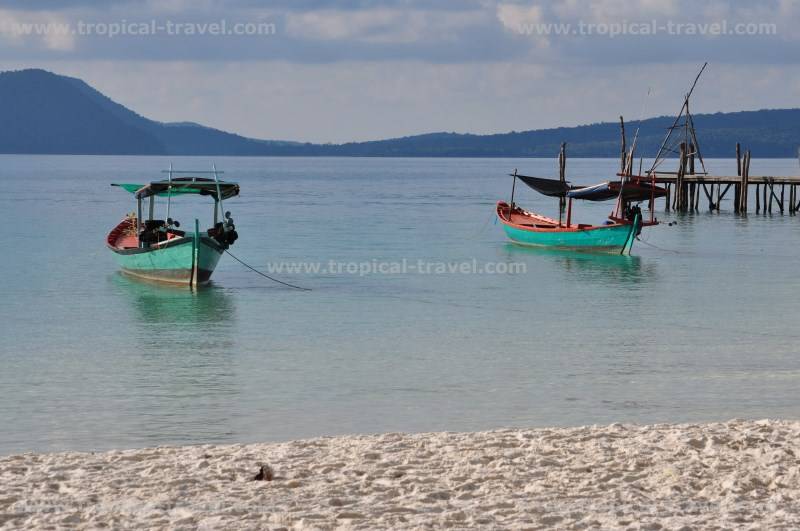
[701, 324]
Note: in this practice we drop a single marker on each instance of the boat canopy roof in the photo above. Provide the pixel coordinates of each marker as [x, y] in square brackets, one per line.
[182, 185]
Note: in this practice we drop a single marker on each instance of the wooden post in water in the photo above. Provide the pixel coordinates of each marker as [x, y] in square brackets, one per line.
[746, 175]
[767, 198]
[668, 197]
[794, 203]
[623, 156]
[680, 188]
[694, 193]
[758, 198]
[783, 191]
[737, 189]
[562, 172]
[771, 195]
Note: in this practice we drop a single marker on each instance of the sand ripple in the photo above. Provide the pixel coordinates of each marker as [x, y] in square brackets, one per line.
[740, 474]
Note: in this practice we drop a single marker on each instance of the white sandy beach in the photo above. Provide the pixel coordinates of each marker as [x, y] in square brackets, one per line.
[740, 474]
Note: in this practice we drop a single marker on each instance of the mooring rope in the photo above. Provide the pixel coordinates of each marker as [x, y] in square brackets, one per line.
[483, 227]
[248, 266]
[645, 242]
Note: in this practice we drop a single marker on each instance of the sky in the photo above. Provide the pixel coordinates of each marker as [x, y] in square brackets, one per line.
[353, 70]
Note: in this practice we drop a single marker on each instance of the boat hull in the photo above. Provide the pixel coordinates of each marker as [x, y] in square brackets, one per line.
[174, 262]
[616, 238]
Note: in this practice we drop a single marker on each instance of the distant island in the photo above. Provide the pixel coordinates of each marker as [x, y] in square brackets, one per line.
[45, 113]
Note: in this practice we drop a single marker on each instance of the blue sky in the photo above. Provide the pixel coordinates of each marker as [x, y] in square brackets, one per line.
[366, 69]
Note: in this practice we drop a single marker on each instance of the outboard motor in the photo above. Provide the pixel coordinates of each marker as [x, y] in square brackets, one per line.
[225, 232]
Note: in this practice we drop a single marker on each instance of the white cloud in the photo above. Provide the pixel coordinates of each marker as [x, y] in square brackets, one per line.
[46, 29]
[606, 11]
[380, 25]
[522, 20]
[377, 25]
[512, 16]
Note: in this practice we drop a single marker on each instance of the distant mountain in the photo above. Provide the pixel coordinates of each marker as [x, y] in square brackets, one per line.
[44, 113]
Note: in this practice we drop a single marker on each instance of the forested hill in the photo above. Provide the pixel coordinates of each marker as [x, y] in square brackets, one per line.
[45, 113]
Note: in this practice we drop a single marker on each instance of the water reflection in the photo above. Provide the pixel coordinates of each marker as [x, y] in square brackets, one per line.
[185, 378]
[592, 267]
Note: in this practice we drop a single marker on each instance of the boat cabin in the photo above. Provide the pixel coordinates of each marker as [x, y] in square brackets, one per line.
[137, 231]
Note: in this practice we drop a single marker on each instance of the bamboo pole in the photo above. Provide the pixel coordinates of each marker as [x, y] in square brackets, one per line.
[738, 159]
[513, 189]
[737, 189]
[623, 149]
[746, 180]
[680, 186]
[562, 171]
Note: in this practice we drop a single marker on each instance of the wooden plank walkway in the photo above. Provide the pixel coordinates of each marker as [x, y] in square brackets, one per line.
[717, 179]
[684, 186]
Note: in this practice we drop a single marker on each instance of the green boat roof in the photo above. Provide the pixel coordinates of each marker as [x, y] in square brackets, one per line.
[182, 185]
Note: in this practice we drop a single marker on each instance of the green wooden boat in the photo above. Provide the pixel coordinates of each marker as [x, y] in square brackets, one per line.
[526, 228]
[156, 249]
[616, 236]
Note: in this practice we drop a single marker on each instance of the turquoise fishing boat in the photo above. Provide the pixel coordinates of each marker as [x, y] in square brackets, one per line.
[156, 249]
[526, 228]
[616, 236]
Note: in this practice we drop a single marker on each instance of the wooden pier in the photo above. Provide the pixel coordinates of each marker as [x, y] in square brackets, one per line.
[689, 185]
[686, 188]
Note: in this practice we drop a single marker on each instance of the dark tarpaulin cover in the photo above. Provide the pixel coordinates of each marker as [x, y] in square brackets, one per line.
[631, 191]
[548, 187]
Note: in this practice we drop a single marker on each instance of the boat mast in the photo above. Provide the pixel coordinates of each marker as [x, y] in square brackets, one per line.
[218, 200]
[513, 189]
[169, 189]
[688, 125]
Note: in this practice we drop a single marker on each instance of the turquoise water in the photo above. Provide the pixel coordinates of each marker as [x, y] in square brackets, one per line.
[699, 325]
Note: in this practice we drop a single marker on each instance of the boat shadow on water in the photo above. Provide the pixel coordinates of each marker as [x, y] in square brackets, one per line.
[183, 382]
[156, 303]
[591, 267]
